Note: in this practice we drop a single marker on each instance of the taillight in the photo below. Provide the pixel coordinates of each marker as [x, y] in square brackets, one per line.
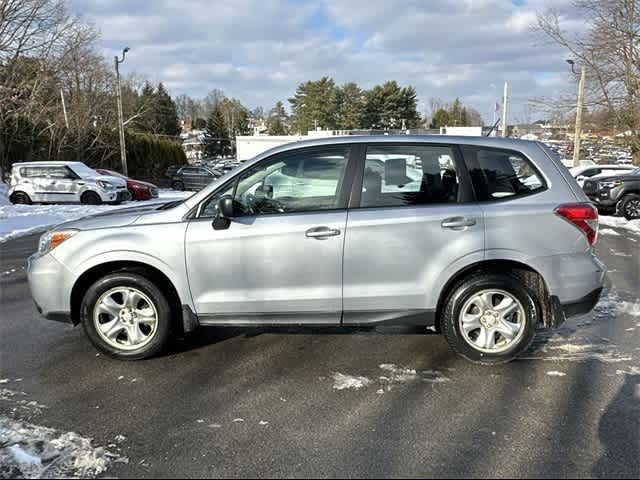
[582, 215]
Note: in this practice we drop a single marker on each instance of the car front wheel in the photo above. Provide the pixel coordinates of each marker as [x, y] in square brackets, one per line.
[630, 207]
[90, 198]
[490, 318]
[126, 316]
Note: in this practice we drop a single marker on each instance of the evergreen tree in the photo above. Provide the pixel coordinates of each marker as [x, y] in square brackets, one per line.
[440, 119]
[350, 100]
[166, 112]
[315, 102]
[277, 121]
[217, 134]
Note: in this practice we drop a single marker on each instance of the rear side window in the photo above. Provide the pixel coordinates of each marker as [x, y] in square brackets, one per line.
[399, 176]
[501, 174]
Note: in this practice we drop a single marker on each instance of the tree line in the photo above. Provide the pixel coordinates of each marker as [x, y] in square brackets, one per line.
[57, 98]
[321, 104]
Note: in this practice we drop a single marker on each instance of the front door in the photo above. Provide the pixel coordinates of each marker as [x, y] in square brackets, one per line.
[280, 259]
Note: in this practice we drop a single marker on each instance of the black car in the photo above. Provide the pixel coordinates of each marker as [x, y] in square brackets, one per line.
[619, 193]
[194, 178]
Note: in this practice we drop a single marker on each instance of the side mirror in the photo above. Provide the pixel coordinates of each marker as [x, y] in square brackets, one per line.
[226, 211]
[581, 178]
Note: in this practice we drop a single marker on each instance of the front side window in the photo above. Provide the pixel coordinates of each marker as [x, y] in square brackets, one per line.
[301, 181]
[397, 176]
[497, 174]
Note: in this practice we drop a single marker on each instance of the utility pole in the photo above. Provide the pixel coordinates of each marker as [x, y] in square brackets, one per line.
[64, 110]
[505, 109]
[123, 150]
[578, 138]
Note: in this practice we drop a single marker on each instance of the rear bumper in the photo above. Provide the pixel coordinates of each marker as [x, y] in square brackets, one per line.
[582, 306]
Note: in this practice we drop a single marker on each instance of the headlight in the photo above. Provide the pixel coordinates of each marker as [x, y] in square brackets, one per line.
[105, 185]
[51, 240]
[609, 185]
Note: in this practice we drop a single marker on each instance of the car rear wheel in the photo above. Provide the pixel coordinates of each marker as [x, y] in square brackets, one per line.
[91, 198]
[490, 318]
[20, 198]
[630, 207]
[126, 316]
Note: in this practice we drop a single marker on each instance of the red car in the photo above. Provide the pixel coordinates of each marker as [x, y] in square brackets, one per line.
[139, 190]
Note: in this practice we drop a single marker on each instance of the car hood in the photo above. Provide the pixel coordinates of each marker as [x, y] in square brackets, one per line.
[111, 219]
[611, 178]
[141, 183]
[117, 181]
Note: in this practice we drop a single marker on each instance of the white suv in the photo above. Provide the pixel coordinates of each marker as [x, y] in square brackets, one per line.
[64, 182]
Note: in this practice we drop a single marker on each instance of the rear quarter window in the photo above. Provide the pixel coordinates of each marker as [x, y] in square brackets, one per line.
[499, 174]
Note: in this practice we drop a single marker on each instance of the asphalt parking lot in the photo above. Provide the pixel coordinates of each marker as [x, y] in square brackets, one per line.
[274, 403]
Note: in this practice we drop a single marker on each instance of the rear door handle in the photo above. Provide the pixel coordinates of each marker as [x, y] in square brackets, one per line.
[322, 232]
[456, 223]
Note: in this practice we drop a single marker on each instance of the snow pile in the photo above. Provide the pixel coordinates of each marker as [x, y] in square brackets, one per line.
[620, 222]
[20, 220]
[31, 451]
[4, 188]
[348, 382]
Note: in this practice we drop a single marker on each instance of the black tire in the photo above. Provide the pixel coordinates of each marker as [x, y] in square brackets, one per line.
[160, 338]
[629, 206]
[467, 288]
[178, 186]
[20, 198]
[90, 198]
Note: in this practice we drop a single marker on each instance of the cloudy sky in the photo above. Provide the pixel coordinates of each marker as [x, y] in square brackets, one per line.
[259, 50]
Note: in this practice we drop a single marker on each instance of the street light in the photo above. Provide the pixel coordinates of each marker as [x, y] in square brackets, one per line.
[576, 141]
[123, 151]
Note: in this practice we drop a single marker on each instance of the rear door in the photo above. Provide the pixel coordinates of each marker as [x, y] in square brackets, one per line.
[411, 222]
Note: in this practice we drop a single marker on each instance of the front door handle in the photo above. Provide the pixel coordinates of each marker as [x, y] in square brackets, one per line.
[322, 232]
[457, 223]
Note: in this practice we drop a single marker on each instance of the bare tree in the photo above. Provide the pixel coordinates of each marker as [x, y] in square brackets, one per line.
[610, 51]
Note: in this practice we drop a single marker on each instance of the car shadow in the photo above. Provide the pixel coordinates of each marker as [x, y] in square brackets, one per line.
[621, 457]
[207, 336]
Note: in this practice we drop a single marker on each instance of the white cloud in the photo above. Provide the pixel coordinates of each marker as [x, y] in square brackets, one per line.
[259, 51]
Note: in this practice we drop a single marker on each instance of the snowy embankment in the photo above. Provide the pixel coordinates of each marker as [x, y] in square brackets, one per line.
[31, 451]
[19, 220]
[620, 222]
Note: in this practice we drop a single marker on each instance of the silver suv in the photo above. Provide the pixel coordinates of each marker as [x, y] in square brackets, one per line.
[487, 240]
[64, 182]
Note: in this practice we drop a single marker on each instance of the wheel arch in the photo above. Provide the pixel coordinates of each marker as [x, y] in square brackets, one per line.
[182, 321]
[530, 276]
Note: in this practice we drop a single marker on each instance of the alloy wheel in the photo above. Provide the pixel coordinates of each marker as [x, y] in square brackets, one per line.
[125, 318]
[492, 321]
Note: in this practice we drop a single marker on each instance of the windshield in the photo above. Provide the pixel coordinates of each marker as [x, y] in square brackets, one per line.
[83, 171]
[114, 174]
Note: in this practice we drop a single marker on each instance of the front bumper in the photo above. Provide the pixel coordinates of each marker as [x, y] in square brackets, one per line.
[115, 196]
[49, 283]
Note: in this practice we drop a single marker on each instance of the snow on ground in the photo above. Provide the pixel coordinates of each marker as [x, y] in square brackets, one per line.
[20, 220]
[391, 375]
[620, 222]
[32, 451]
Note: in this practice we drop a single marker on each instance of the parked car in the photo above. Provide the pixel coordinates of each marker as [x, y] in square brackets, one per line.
[139, 190]
[340, 232]
[616, 193]
[64, 182]
[583, 173]
[194, 178]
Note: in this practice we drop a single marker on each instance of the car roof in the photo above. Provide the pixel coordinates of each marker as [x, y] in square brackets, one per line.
[45, 163]
[496, 142]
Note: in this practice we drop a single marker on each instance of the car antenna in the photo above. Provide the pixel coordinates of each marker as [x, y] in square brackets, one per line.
[495, 125]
